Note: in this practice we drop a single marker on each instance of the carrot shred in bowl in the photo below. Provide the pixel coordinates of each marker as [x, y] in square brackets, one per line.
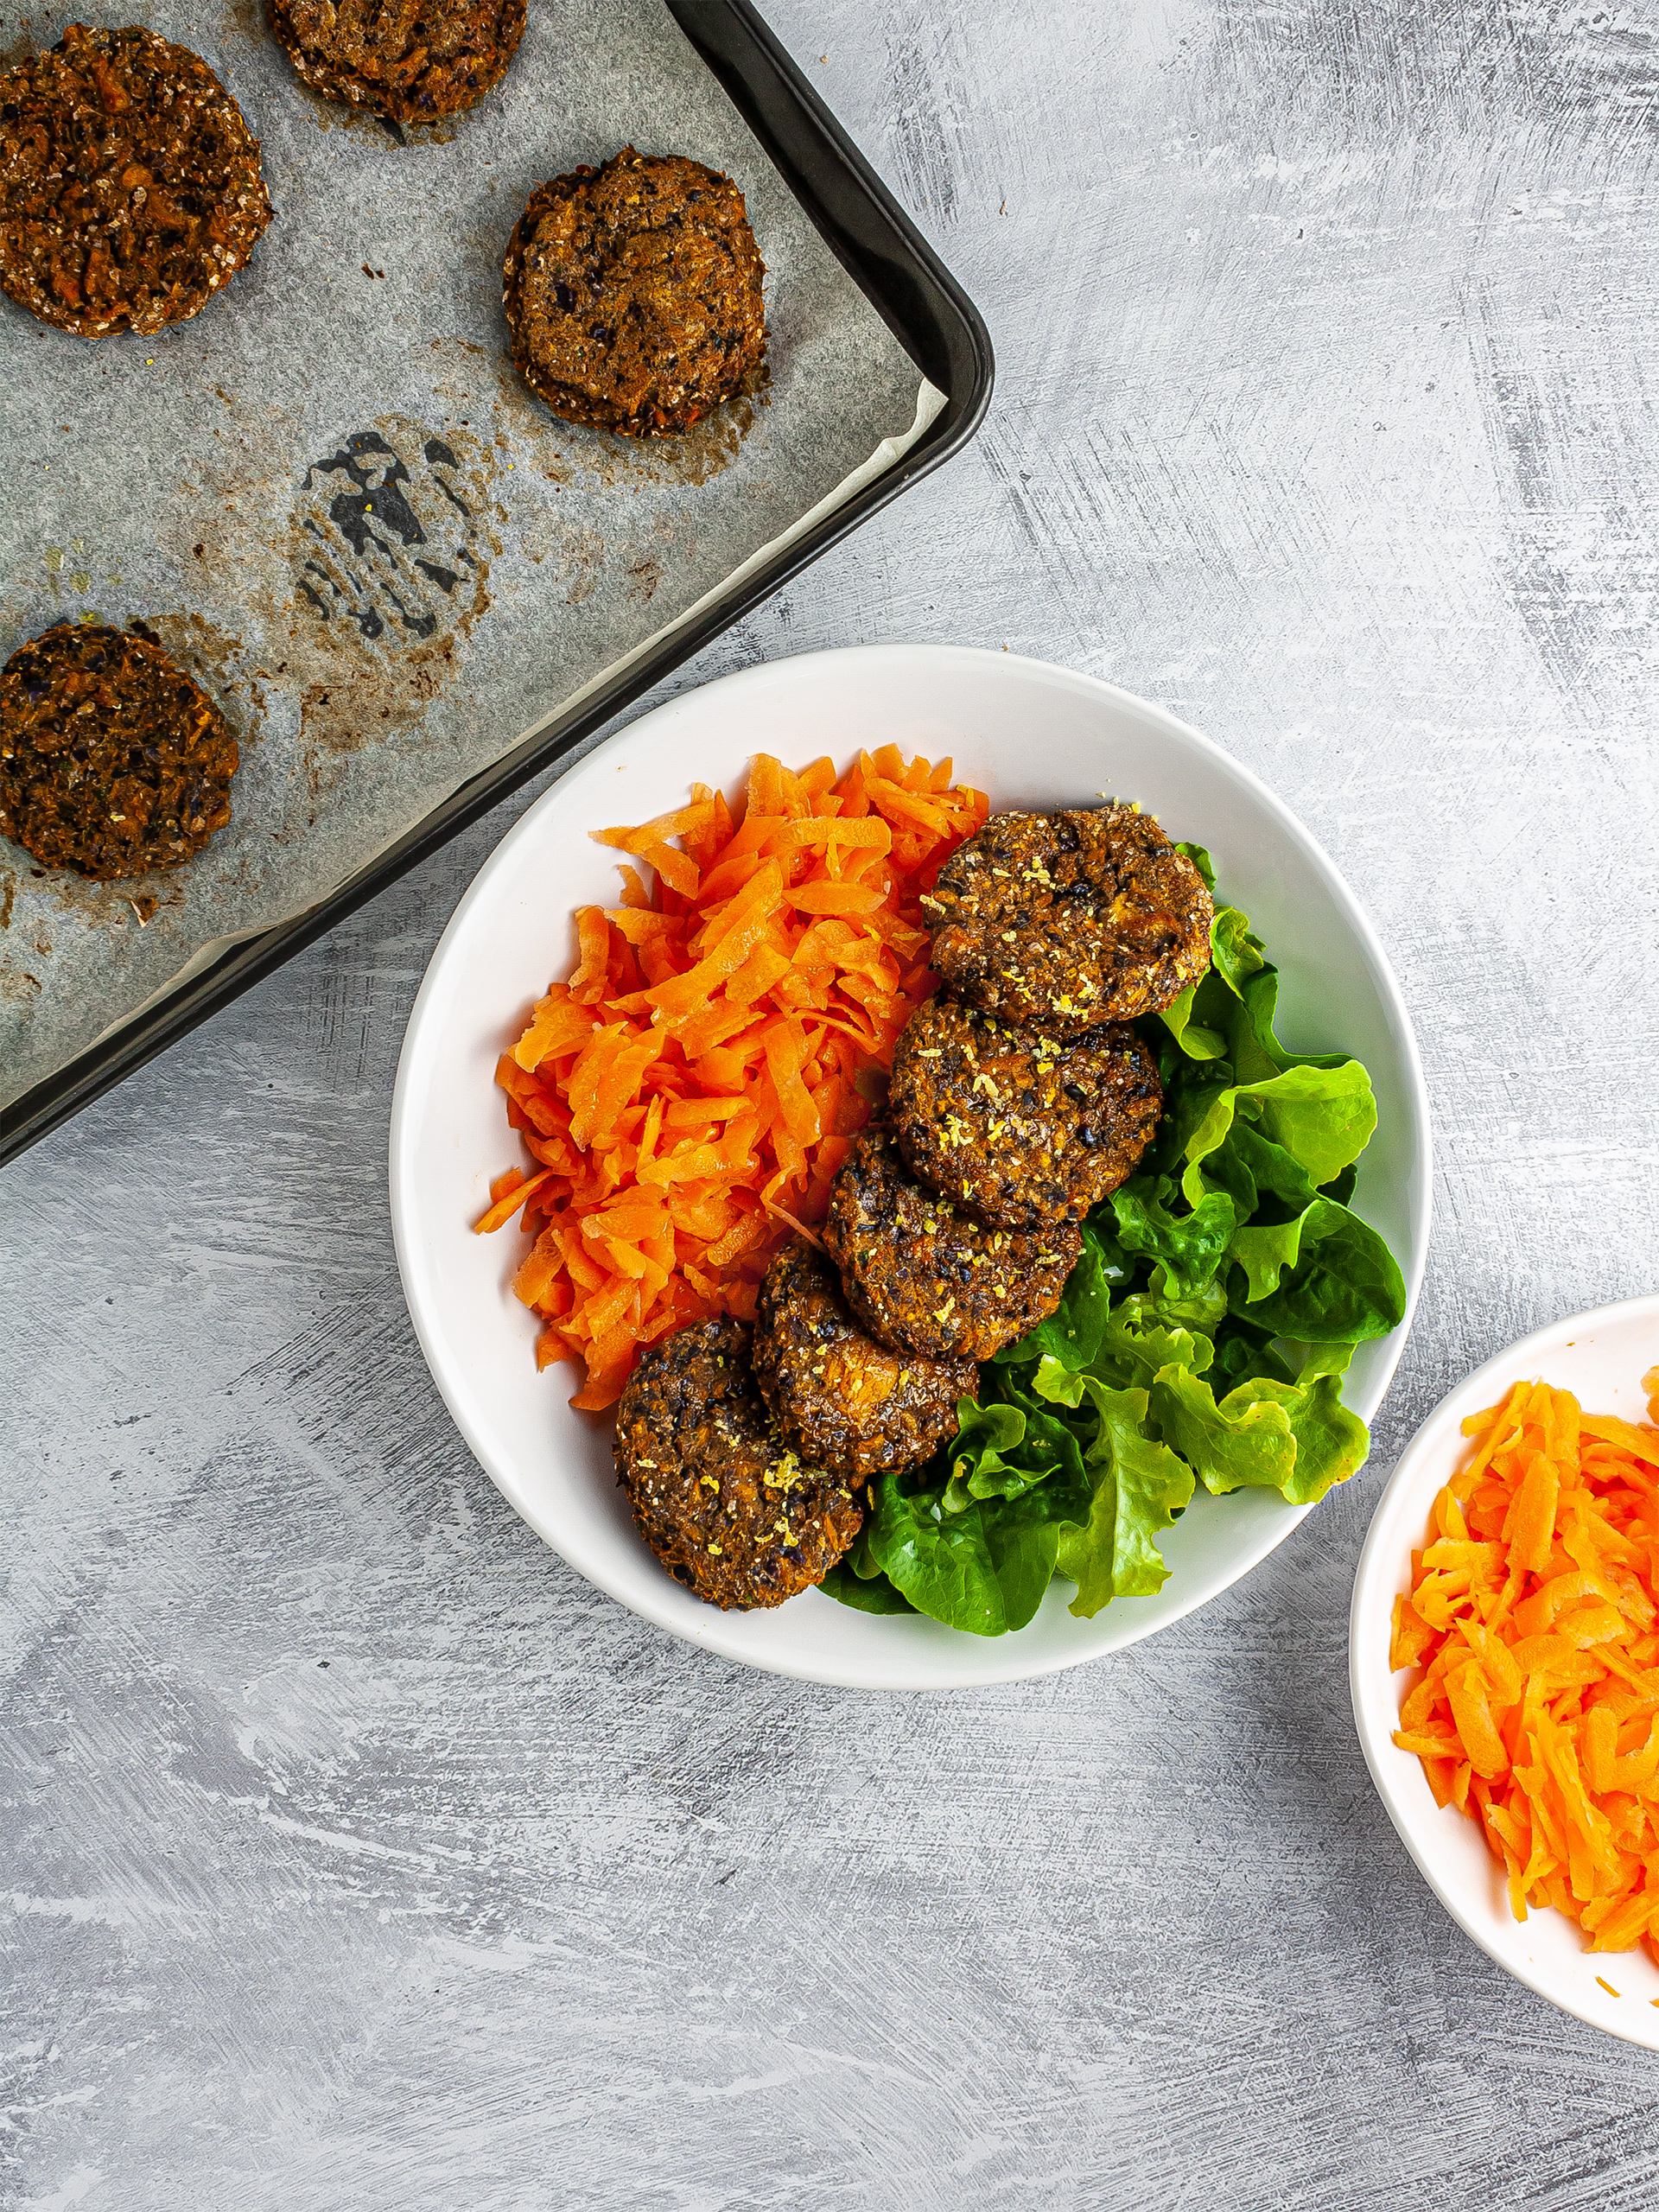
[1533, 1618]
[688, 1093]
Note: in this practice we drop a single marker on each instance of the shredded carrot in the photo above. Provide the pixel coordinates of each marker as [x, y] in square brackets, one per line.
[688, 1095]
[1533, 1624]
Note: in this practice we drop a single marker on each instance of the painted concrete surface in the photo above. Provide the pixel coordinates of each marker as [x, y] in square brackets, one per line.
[356, 1853]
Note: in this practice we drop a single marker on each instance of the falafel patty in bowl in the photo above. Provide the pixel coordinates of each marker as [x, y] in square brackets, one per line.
[729, 1508]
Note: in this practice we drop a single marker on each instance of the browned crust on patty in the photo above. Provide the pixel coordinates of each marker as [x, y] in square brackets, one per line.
[840, 1398]
[725, 1504]
[130, 188]
[633, 294]
[413, 61]
[922, 1276]
[1070, 920]
[112, 760]
[1019, 1126]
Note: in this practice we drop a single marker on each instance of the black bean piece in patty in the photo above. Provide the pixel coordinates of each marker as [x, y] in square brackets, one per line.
[726, 1506]
[130, 188]
[840, 1398]
[112, 760]
[925, 1277]
[1070, 920]
[1020, 1127]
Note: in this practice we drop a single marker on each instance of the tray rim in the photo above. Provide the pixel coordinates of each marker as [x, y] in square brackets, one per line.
[933, 317]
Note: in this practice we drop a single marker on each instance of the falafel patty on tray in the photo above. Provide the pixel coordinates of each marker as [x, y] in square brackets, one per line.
[632, 294]
[112, 759]
[840, 1398]
[412, 61]
[1070, 920]
[1019, 1126]
[925, 1277]
[725, 1504]
[130, 188]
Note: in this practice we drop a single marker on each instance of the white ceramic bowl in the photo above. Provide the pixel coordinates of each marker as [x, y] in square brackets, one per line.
[1030, 736]
[1601, 1357]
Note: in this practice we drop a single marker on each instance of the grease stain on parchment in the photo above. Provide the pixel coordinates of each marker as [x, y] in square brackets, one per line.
[128, 902]
[392, 532]
[573, 452]
[581, 553]
[68, 564]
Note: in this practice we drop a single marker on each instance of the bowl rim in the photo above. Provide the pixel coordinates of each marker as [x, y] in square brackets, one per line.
[1371, 1681]
[706, 1633]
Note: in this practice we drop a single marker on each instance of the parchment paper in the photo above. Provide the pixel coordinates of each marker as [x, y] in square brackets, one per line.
[330, 495]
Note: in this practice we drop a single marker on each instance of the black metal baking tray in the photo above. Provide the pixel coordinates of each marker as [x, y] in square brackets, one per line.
[932, 318]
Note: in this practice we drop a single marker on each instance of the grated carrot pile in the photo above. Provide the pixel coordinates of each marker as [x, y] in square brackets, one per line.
[1534, 1614]
[689, 1094]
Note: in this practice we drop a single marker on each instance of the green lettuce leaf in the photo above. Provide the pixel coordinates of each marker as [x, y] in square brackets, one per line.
[983, 1569]
[1144, 1335]
[1189, 1246]
[1139, 1487]
[1231, 1446]
[875, 1596]
[1324, 1278]
[1297, 1439]
[1071, 1333]
[1322, 1117]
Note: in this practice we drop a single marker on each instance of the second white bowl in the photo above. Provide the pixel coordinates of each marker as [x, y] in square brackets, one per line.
[1601, 1357]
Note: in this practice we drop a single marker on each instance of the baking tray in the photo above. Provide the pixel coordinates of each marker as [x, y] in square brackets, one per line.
[917, 301]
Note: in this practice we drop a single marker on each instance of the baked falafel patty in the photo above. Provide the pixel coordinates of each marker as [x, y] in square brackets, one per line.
[726, 1507]
[1070, 920]
[925, 1277]
[413, 61]
[112, 760]
[1019, 1128]
[632, 293]
[840, 1398]
[129, 183]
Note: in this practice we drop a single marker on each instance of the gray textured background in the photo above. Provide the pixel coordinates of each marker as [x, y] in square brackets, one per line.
[357, 1855]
